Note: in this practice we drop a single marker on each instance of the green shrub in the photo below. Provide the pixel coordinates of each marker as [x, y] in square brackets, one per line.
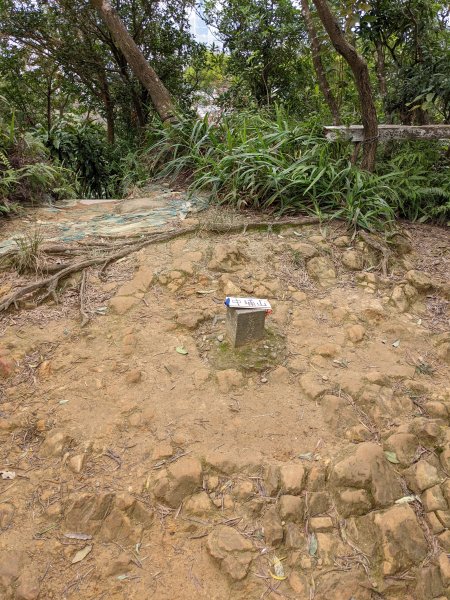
[26, 174]
[255, 161]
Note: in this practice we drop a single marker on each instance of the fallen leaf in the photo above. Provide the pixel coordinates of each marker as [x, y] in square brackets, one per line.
[279, 570]
[81, 554]
[312, 544]
[78, 536]
[396, 344]
[8, 474]
[63, 402]
[307, 456]
[181, 350]
[122, 577]
[202, 292]
[392, 457]
[405, 500]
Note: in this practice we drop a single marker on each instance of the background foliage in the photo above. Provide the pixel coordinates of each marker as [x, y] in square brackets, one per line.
[75, 120]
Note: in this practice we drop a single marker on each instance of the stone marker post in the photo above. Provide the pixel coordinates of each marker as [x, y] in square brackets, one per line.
[245, 325]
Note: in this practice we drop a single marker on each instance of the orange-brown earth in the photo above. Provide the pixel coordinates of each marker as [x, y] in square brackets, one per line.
[313, 464]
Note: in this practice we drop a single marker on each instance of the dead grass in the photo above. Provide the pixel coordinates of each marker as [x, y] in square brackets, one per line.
[29, 257]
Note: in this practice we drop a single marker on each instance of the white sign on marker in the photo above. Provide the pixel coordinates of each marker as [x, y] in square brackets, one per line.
[247, 303]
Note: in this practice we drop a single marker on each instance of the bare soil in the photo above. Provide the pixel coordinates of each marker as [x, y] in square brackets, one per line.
[102, 414]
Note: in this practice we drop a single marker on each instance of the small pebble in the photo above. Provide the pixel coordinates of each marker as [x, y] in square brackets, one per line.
[264, 379]
[220, 338]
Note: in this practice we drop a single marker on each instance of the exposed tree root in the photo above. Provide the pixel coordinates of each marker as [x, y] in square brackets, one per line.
[377, 245]
[109, 254]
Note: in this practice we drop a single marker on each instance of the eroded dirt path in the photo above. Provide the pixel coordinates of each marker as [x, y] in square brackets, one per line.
[184, 476]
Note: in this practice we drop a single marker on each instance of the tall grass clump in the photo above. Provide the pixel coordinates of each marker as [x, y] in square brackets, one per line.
[266, 162]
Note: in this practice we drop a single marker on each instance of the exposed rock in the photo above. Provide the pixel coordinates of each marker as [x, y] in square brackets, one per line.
[356, 333]
[29, 586]
[184, 478]
[436, 409]
[322, 270]
[190, 318]
[226, 257]
[121, 565]
[429, 582]
[352, 260]
[444, 540]
[304, 250]
[434, 523]
[313, 385]
[337, 413]
[318, 503]
[292, 479]
[291, 508]
[231, 289]
[327, 350]
[347, 586]
[201, 376]
[6, 514]
[321, 523]
[119, 305]
[55, 443]
[85, 512]
[162, 450]
[368, 468]
[6, 367]
[295, 537]
[233, 551]
[280, 375]
[329, 547]
[399, 299]
[272, 527]
[342, 241]
[446, 490]
[403, 542]
[421, 476]
[432, 499]
[229, 379]
[133, 376]
[316, 478]
[419, 280]
[76, 463]
[428, 432]
[299, 584]
[229, 462]
[444, 568]
[299, 296]
[404, 445]
[444, 457]
[117, 526]
[10, 567]
[243, 490]
[199, 504]
[353, 502]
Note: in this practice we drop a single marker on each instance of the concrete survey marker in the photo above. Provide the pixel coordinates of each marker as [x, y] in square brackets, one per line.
[245, 320]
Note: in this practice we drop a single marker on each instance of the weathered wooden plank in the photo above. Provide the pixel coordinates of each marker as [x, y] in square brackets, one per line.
[355, 133]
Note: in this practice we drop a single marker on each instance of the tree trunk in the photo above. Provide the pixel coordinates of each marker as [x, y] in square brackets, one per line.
[381, 69]
[361, 73]
[107, 103]
[49, 104]
[160, 96]
[318, 65]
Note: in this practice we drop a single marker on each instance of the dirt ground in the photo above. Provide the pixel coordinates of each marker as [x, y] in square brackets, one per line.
[143, 457]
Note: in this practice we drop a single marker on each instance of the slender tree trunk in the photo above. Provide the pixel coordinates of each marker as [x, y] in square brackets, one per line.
[381, 69]
[49, 104]
[160, 96]
[318, 64]
[109, 108]
[361, 73]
